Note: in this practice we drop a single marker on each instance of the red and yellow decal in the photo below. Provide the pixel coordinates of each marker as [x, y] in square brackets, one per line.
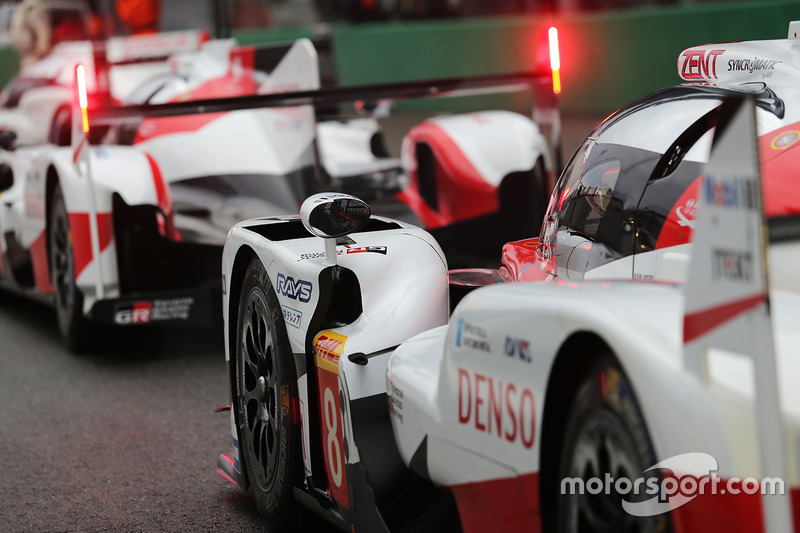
[328, 347]
[785, 139]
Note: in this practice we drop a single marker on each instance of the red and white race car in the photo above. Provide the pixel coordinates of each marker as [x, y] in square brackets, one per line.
[126, 225]
[586, 403]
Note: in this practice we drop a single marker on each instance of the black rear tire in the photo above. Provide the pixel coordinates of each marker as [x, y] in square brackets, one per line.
[69, 299]
[605, 433]
[266, 394]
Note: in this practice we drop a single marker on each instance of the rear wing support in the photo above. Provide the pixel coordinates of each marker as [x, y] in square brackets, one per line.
[727, 292]
[82, 159]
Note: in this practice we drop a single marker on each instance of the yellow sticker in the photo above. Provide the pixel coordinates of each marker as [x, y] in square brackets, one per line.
[785, 140]
[328, 346]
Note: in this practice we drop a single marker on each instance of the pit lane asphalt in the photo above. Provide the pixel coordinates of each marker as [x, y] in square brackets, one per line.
[124, 438]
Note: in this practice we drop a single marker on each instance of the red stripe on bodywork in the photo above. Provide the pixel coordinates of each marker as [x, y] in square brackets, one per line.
[507, 504]
[41, 266]
[164, 201]
[462, 192]
[76, 154]
[699, 323]
[512, 504]
[163, 195]
[82, 237]
[234, 83]
[732, 513]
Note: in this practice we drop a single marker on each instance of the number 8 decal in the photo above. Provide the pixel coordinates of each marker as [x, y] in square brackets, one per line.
[328, 346]
[334, 450]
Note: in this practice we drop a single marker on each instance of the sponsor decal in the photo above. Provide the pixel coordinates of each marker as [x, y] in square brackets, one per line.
[686, 213]
[751, 65]
[224, 290]
[347, 250]
[731, 265]
[496, 407]
[364, 249]
[395, 397]
[518, 349]
[135, 313]
[738, 194]
[34, 206]
[145, 311]
[699, 64]
[785, 140]
[328, 347]
[295, 289]
[313, 255]
[471, 336]
[292, 317]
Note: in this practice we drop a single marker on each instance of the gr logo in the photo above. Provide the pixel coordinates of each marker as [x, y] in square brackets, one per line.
[296, 289]
[133, 313]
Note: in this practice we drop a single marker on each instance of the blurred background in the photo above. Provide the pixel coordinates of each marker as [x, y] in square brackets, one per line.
[612, 51]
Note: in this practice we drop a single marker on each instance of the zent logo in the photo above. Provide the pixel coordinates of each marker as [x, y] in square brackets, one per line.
[295, 289]
[699, 64]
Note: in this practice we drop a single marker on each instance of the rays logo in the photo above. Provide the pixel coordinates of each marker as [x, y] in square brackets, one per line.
[295, 289]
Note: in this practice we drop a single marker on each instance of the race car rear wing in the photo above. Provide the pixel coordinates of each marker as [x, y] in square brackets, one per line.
[293, 82]
[727, 306]
[544, 84]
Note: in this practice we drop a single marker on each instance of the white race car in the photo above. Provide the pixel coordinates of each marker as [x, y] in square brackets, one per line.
[585, 403]
[126, 226]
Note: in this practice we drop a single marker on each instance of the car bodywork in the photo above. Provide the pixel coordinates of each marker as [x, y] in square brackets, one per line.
[349, 311]
[150, 198]
[482, 406]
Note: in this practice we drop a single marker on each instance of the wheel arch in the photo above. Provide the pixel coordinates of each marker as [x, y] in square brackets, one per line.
[51, 182]
[562, 385]
[244, 256]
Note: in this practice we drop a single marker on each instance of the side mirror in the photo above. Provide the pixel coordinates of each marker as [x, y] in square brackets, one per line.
[8, 139]
[6, 177]
[331, 215]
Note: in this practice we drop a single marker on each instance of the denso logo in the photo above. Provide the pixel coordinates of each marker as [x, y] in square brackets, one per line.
[735, 194]
[295, 289]
[699, 64]
[494, 406]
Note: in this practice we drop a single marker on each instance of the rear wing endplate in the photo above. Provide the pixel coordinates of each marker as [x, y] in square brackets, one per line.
[727, 303]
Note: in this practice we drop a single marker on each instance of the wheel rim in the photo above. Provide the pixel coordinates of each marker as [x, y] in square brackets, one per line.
[62, 267]
[259, 386]
[602, 447]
